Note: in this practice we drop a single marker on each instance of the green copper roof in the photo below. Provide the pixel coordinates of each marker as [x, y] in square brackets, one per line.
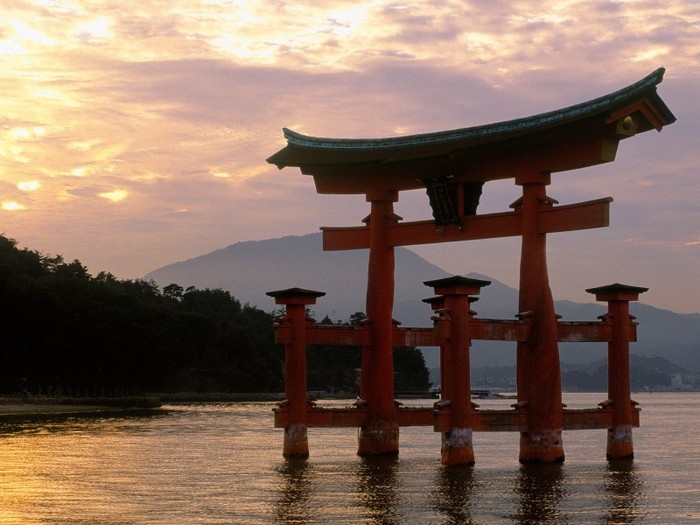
[303, 150]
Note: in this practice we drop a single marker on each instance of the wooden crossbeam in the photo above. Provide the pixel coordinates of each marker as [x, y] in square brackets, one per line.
[479, 329]
[483, 420]
[570, 217]
[579, 216]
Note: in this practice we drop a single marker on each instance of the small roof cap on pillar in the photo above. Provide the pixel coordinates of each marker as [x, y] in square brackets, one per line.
[436, 302]
[295, 296]
[617, 291]
[458, 285]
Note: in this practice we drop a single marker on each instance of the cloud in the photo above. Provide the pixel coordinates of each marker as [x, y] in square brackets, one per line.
[114, 195]
[29, 185]
[11, 206]
[174, 106]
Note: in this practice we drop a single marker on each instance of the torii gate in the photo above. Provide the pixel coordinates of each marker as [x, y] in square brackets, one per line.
[453, 166]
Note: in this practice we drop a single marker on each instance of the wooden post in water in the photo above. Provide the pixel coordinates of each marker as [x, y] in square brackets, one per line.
[457, 448]
[296, 444]
[618, 296]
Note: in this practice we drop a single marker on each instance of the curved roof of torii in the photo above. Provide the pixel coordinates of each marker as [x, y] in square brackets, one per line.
[564, 139]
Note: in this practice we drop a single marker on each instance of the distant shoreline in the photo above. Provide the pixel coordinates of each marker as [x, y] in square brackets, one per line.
[217, 397]
[13, 407]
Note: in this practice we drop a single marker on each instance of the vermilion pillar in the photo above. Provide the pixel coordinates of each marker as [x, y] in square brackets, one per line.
[296, 444]
[380, 432]
[457, 446]
[619, 401]
[538, 372]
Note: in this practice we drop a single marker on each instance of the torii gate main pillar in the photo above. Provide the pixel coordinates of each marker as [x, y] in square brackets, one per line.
[380, 432]
[538, 371]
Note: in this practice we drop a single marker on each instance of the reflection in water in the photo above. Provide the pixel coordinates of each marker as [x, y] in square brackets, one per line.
[456, 495]
[540, 489]
[221, 464]
[293, 505]
[377, 489]
[624, 488]
[452, 495]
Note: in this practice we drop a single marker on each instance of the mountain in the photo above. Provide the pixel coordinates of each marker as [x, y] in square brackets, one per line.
[249, 269]
[646, 373]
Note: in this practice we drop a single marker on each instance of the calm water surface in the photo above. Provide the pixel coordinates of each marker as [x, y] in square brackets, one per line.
[216, 464]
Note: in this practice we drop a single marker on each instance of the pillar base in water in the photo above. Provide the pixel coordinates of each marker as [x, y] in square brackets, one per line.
[378, 438]
[544, 446]
[620, 443]
[457, 448]
[296, 442]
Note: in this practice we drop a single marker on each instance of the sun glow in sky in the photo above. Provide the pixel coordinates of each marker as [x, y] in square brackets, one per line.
[117, 116]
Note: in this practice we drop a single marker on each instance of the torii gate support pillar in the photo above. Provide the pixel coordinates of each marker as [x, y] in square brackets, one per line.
[296, 443]
[618, 296]
[457, 447]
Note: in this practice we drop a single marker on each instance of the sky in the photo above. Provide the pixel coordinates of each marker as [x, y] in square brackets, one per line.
[134, 134]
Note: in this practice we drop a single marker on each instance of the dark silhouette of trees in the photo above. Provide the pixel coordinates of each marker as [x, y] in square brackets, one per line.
[62, 329]
[337, 368]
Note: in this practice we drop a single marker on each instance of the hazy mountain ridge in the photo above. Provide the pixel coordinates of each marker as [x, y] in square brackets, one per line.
[249, 269]
[647, 373]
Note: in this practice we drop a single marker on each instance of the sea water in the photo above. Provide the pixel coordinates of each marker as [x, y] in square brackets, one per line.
[222, 463]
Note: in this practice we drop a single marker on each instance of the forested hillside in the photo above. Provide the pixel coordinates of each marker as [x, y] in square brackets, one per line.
[65, 331]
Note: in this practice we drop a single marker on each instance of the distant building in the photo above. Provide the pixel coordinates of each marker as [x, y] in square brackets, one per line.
[677, 382]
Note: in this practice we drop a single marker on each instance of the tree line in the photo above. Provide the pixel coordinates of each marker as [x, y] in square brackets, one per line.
[63, 329]
[334, 368]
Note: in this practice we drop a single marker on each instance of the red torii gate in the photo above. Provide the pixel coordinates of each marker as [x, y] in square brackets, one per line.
[453, 167]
